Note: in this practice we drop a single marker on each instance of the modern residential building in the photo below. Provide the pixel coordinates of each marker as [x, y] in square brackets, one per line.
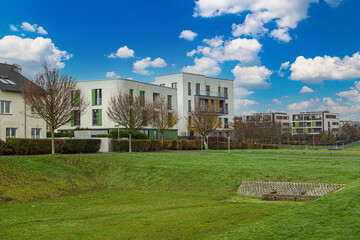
[314, 123]
[194, 90]
[343, 122]
[98, 94]
[281, 118]
[16, 119]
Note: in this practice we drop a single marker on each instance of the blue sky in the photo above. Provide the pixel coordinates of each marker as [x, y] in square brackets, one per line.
[316, 42]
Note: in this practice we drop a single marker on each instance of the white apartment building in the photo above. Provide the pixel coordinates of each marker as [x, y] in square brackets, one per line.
[281, 118]
[99, 92]
[351, 123]
[16, 120]
[314, 123]
[195, 89]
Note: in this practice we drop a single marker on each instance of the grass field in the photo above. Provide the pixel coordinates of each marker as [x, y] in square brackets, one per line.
[171, 196]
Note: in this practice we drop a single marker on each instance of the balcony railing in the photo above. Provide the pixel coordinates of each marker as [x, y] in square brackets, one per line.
[211, 94]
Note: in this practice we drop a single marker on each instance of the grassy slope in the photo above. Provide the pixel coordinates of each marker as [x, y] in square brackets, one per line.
[168, 196]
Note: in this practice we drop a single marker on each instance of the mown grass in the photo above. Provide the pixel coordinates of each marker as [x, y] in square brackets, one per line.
[170, 196]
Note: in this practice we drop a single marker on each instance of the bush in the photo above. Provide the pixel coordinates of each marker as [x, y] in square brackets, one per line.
[104, 136]
[235, 145]
[61, 134]
[125, 134]
[43, 146]
[2, 146]
[147, 145]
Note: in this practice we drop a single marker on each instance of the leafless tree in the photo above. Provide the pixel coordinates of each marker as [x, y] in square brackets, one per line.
[163, 117]
[203, 121]
[131, 112]
[239, 130]
[55, 98]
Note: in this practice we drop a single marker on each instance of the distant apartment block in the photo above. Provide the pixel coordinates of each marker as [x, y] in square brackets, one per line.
[99, 92]
[351, 123]
[194, 90]
[16, 119]
[314, 123]
[281, 118]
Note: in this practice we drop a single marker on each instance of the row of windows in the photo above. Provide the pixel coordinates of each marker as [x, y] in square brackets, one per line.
[96, 117]
[207, 87]
[12, 132]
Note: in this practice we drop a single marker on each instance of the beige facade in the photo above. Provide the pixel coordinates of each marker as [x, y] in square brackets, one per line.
[22, 123]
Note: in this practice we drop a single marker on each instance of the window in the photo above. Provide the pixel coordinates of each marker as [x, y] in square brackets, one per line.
[226, 123]
[131, 92]
[10, 132]
[226, 108]
[225, 91]
[33, 110]
[207, 89]
[97, 117]
[75, 118]
[4, 107]
[198, 89]
[142, 98]
[162, 85]
[174, 85]
[219, 89]
[169, 97]
[189, 105]
[96, 97]
[35, 133]
[75, 98]
[335, 123]
[189, 88]
[6, 80]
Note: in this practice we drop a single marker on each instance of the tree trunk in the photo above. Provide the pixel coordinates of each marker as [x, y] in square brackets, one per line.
[130, 142]
[52, 142]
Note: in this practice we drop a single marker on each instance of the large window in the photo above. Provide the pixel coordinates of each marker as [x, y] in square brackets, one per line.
[96, 97]
[197, 88]
[97, 117]
[75, 98]
[189, 88]
[189, 105]
[4, 107]
[10, 132]
[35, 132]
[142, 98]
[169, 97]
[75, 118]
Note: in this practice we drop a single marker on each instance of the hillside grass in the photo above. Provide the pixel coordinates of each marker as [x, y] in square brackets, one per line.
[171, 196]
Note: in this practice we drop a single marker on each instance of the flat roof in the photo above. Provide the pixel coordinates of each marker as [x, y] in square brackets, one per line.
[192, 74]
[129, 80]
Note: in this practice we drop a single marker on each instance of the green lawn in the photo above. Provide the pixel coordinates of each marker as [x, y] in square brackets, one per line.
[171, 196]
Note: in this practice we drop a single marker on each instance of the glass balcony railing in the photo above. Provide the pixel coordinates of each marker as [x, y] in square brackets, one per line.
[211, 94]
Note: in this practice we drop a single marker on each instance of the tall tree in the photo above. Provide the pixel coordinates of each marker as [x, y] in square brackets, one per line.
[164, 117]
[55, 98]
[131, 112]
[203, 120]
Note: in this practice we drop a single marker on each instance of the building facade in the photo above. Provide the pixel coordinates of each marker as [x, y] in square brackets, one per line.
[98, 94]
[194, 90]
[314, 123]
[281, 118]
[16, 119]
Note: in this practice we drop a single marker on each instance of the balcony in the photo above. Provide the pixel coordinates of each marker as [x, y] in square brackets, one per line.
[211, 94]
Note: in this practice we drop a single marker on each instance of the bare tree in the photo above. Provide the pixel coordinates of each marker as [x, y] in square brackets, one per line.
[203, 121]
[163, 117]
[55, 98]
[239, 130]
[131, 112]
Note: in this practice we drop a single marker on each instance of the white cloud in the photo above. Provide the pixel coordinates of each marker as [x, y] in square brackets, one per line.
[283, 66]
[123, 52]
[277, 101]
[13, 28]
[239, 49]
[205, 66]
[286, 14]
[243, 104]
[304, 105]
[334, 3]
[191, 53]
[188, 35]
[28, 27]
[111, 75]
[306, 89]
[325, 68]
[251, 77]
[42, 31]
[32, 53]
[242, 92]
[141, 66]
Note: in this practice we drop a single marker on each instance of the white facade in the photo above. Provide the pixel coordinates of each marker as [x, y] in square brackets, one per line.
[193, 89]
[105, 89]
[281, 118]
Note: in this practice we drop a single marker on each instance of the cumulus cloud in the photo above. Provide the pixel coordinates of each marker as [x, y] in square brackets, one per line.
[251, 77]
[243, 103]
[141, 66]
[306, 89]
[286, 14]
[32, 53]
[318, 69]
[205, 66]
[283, 66]
[334, 3]
[123, 52]
[27, 27]
[304, 105]
[42, 31]
[111, 75]
[242, 92]
[13, 28]
[188, 35]
[277, 101]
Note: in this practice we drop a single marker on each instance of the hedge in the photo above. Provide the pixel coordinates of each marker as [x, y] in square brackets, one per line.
[23, 146]
[2, 146]
[61, 134]
[236, 145]
[125, 134]
[154, 145]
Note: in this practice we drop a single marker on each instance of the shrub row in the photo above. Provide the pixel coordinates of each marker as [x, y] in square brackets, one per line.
[23, 146]
[236, 145]
[124, 134]
[154, 145]
[2, 146]
[60, 134]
